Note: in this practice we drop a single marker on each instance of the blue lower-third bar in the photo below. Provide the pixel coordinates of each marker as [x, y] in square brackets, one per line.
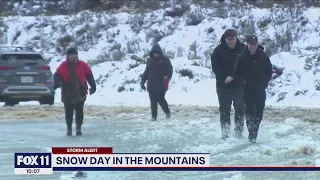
[214, 168]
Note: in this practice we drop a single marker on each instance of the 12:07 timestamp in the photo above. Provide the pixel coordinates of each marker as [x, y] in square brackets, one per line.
[33, 171]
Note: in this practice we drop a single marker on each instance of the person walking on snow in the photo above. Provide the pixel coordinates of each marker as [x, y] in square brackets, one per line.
[158, 73]
[72, 76]
[228, 85]
[255, 67]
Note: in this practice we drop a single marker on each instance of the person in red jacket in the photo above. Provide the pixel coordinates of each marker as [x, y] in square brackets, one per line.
[72, 76]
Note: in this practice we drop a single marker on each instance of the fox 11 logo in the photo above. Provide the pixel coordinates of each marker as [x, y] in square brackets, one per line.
[32, 163]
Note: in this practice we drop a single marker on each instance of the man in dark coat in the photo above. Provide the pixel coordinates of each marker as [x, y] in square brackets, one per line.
[158, 73]
[72, 76]
[228, 85]
[255, 67]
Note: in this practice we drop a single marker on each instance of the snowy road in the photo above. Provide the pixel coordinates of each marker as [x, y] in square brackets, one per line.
[191, 129]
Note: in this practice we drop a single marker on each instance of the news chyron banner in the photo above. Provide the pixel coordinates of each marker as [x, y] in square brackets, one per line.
[103, 159]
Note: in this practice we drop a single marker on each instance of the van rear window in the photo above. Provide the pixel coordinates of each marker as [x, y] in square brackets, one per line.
[16, 57]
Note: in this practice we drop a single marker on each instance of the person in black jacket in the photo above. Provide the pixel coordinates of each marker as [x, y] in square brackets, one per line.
[228, 85]
[158, 73]
[255, 67]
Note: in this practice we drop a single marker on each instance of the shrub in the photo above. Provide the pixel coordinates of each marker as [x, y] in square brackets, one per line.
[195, 17]
[64, 43]
[16, 36]
[169, 54]
[186, 73]
[133, 46]
[3, 30]
[210, 30]
[245, 27]
[194, 51]
[132, 66]
[121, 88]
[101, 58]
[300, 92]
[284, 37]
[180, 52]
[118, 55]
[177, 11]
[317, 84]
[282, 41]
[221, 10]
[281, 96]
[264, 23]
[140, 60]
[117, 52]
[155, 35]
[136, 21]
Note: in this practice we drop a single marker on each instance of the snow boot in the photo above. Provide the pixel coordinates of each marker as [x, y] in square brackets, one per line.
[238, 134]
[153, 119]
[225, 124]
[168, 115]
[78, 128]
[253, 141]
[239, 123]
[225, 133]
[225, 129]
[252, 137]
[69, 130]
[225, 136]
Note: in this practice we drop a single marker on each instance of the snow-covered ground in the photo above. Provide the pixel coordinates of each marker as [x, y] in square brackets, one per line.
[282, 140]
[117, 44]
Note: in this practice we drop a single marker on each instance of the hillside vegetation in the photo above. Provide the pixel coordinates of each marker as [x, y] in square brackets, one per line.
[116, 42]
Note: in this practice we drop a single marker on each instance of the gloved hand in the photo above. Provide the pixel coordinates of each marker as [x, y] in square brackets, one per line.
[92, 91]
[142, 86]
[279, 71]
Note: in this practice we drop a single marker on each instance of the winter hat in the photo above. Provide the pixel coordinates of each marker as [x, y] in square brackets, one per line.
[156, 49]
[252, 39]
[230, 33]
[72, 50]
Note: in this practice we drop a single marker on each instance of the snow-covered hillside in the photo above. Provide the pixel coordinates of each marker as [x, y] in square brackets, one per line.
[116, 45]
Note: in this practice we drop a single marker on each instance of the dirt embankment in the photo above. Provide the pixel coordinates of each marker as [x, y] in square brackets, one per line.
[36, 112]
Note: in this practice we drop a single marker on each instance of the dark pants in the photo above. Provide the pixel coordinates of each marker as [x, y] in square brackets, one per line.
[70, 108]
[226, 98]
[155, 98]
[255, 103]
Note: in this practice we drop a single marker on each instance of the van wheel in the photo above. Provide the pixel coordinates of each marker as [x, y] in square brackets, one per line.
[10, 102]
[47, 100]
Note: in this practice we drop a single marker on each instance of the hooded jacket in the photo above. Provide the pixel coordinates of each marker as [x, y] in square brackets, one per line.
[156, 69]
[255, 70]
[222, 62]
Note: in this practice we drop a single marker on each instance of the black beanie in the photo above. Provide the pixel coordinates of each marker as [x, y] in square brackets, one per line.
[230, 33]
[72, 50]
